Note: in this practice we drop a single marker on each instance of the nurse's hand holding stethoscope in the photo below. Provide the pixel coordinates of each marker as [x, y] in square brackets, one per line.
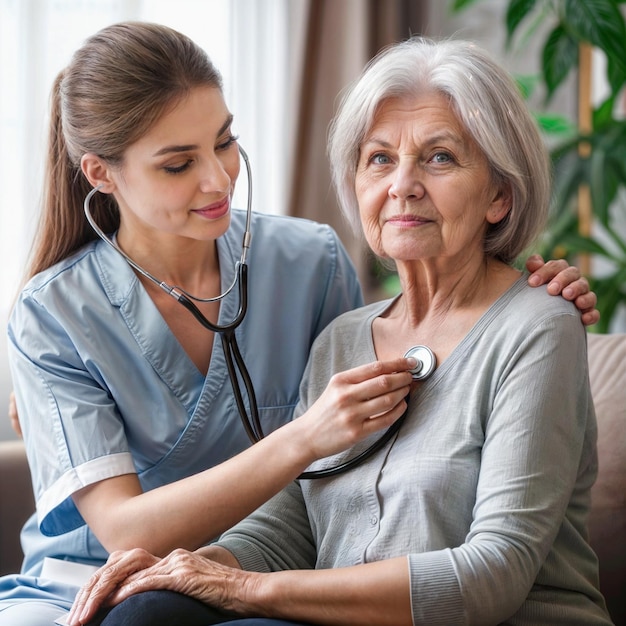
[355, 404]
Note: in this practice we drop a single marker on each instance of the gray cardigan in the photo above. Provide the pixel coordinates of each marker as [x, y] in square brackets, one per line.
[485, 489]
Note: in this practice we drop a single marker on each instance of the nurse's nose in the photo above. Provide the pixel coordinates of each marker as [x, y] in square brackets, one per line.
[406, 181]
[214, 175]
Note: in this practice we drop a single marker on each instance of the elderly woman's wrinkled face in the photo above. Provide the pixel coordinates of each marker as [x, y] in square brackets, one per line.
[423, 185]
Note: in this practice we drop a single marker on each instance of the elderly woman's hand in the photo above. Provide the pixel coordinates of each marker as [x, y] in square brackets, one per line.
[136, 571]
[567, 281]
[97, 591]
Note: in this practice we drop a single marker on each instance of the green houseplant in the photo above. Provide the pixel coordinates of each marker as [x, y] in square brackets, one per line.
[591, 158]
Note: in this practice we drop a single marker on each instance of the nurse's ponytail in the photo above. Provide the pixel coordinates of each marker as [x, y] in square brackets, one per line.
[62, 228]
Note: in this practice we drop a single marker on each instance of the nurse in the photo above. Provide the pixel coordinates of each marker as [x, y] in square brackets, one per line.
[128, 416]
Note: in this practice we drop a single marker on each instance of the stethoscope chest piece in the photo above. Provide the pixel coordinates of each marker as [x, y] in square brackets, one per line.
[426, 362]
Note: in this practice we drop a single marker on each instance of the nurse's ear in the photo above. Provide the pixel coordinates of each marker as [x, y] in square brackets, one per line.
[97, 171]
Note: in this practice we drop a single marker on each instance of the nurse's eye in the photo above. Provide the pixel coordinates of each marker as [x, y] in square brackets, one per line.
[230, 140]
[177, 169]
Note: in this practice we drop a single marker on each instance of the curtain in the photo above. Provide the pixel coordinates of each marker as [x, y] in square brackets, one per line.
[337, 39]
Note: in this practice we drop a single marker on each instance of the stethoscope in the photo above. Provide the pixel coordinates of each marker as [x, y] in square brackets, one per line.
[426, 361]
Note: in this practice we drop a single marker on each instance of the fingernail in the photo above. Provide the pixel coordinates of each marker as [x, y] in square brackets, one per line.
[412, 361]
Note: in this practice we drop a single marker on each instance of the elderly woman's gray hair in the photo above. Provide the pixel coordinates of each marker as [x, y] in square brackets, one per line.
[488, 103]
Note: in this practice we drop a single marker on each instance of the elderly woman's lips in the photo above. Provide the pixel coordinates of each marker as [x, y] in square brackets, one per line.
[408, 220]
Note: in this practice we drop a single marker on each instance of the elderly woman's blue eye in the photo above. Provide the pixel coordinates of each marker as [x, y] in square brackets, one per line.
[380, 159]
[442, 157]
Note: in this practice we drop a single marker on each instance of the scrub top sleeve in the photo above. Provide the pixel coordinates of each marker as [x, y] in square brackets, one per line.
[72, 430]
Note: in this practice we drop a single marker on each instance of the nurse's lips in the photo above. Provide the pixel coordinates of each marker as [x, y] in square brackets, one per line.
[215, 210]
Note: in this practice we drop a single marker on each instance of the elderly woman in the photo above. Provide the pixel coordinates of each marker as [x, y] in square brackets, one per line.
[475, 513]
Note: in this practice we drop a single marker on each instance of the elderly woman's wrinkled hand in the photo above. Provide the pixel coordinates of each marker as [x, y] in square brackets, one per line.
[97, 592]
[136, 571]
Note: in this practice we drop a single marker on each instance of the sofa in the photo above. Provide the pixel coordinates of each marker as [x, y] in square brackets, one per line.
[607, 521]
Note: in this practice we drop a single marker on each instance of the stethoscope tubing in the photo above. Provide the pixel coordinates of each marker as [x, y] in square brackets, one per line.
[360, 458]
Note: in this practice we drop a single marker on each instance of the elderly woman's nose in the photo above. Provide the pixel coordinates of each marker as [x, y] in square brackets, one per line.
[406, 182]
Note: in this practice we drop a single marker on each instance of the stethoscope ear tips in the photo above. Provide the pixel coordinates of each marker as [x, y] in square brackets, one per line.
[426, 362]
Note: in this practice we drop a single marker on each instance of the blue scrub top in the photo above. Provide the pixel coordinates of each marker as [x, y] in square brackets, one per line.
[104, 388]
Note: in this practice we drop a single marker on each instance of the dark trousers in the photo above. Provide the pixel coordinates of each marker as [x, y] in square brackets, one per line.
[167, 608]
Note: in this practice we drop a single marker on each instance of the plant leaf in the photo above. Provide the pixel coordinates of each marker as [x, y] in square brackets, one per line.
[560, 54]
[609, 295]
[554, 124]
[460, 5]
[585, 245]
[527, 84]
[616, 75]
[515, 14]
[602, 187]
[601, 23]
[603, 114]
[569, 173]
